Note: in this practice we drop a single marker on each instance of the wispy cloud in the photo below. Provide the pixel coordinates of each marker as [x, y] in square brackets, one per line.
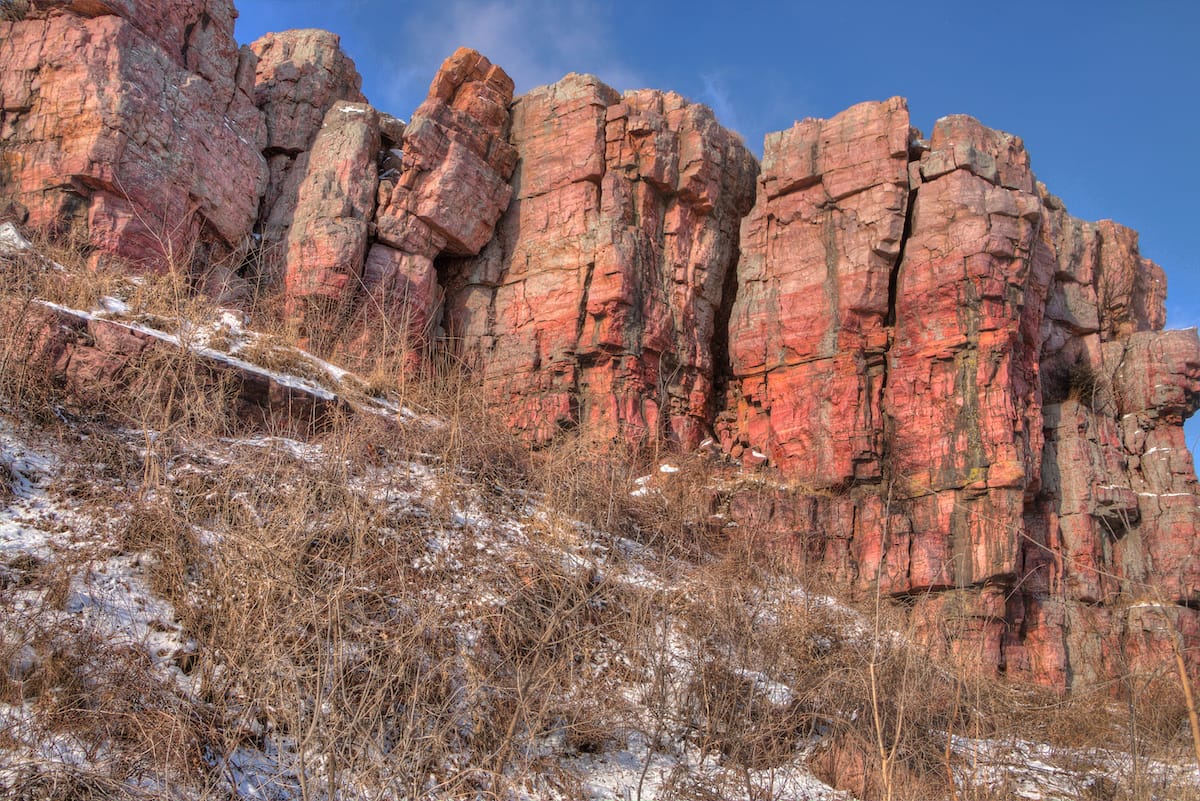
[534, 41]
[716, 96]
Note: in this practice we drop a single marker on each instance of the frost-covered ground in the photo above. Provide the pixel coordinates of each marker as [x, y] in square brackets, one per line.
[66, 586]
[64, 571]
[51, 544]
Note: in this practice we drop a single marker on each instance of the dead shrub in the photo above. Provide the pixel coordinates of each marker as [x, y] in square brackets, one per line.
[1077, 380]
[586, 482]
[676, 515]
[466, 435]
[105, 696]
[736, 716]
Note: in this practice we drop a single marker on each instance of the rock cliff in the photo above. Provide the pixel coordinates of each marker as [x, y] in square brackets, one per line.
[597, 302]
[962, 396]
[978, 446]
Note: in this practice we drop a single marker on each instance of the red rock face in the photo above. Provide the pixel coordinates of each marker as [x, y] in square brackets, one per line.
[361, 251]
[330, 230]
[996, 434]
[965, 392]
[456, 162]
[136, 121]
[597, 303]
[299, 77]
[812, 306]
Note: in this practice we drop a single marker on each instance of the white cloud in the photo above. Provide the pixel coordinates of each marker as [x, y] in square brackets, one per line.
[716, 97]
[534, 41]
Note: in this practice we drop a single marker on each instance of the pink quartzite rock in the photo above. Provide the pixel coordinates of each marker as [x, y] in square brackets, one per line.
[456, 162]
[361, 251]
[597, 303]
[135, 120]
[985, 404]
[443, 197]
[300, 75]
[330, 234]
[966, 438]
[965, 392]
[818, 253]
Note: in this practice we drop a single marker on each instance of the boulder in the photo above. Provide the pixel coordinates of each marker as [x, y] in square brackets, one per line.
[133, 123]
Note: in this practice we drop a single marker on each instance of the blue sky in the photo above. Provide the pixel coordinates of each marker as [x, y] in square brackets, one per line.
[1105, 93]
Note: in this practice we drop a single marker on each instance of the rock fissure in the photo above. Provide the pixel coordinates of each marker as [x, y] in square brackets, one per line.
[722, 370]
[894, 273]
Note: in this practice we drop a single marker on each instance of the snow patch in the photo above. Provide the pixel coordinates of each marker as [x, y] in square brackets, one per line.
[11, 240]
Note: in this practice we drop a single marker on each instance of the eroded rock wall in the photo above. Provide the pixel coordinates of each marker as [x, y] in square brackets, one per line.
[962, 396]
[597, 303]
[970, 394]
[813, 306]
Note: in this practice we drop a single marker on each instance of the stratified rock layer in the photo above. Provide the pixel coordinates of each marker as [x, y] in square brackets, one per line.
[135, 122]
[597, 303]
[974, 389]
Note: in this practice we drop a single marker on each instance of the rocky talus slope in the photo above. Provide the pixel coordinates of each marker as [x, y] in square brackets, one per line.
[964, 394]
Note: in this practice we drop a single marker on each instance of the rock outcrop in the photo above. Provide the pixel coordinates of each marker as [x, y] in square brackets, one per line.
[445, 199]
[995, 437]
[362, 246]
[134, 122]
[598, 302]
[813, 304]
[92, 357]
[964, 394]
[298, 78]
[330, 228]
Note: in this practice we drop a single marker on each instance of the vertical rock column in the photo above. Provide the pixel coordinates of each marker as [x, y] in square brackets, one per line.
[808, 332]
[331, 227]
[963, 399]
[596, 304]
[300, 76]
[136, 122]
[361, 249]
